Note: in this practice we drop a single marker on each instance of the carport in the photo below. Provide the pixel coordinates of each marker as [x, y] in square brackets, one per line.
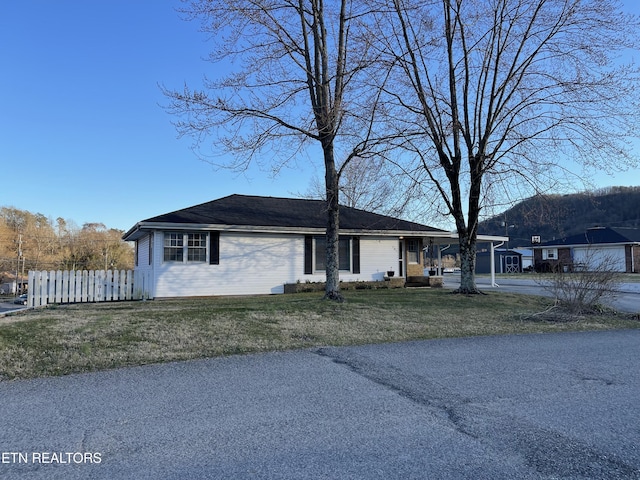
[441, 241]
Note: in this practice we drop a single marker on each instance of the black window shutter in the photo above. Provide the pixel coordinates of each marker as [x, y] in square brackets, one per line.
[150, 248]
[356, 254]
[308, 254]
[214, 248]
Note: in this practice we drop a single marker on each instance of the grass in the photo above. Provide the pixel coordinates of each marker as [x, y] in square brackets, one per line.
[622, 277]
[66, 339]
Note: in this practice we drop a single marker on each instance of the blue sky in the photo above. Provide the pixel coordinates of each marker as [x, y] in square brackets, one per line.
[82, 132]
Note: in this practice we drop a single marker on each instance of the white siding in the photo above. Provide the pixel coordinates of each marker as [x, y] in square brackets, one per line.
[144, 265]
[377, 256]
[249, 264]
[252, 263]
[143, 252]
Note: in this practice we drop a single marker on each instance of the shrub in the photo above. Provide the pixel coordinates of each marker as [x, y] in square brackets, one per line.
[582, 288]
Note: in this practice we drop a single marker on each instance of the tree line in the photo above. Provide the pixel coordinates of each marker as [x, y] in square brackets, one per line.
[32, 241]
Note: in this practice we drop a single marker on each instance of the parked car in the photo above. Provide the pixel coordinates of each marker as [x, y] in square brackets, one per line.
[21, 300]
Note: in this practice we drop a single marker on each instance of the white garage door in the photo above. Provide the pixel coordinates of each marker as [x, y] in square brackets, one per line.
[595, 258]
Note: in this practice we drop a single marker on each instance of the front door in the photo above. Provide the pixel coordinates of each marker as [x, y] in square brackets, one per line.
[401, 258]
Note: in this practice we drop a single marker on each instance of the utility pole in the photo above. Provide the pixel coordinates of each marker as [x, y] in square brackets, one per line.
[506, 226]
[17, 289]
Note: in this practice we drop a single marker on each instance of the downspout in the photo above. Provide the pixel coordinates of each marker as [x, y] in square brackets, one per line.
[493, 265]
[440, 269]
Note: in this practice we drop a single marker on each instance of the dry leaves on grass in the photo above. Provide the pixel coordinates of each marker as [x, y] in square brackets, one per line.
[87, 337]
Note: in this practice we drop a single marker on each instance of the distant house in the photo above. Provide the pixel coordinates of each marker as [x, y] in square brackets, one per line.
[505, 261]
[619, 247]
[244, 244]
[526, 258]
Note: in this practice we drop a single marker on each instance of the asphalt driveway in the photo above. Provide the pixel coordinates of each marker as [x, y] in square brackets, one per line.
[521, 407]
[626, 298]
[6, 307]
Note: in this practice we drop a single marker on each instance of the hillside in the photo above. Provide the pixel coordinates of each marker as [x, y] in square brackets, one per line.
[555, 216]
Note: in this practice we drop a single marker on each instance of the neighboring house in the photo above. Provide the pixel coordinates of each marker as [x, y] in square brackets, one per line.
[505, 261]
[619, 248]
[9, 287]
[254, 245]
[526, 258]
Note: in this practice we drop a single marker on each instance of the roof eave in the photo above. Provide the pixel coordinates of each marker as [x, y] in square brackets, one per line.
[572, 245]
[132, 234]
[140, 229]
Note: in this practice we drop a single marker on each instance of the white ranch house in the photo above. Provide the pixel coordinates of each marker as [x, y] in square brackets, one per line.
[244, 244]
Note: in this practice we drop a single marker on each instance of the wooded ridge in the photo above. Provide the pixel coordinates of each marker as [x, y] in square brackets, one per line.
[557, 216]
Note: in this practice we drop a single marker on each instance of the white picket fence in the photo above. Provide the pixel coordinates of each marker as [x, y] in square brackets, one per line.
[78, 286]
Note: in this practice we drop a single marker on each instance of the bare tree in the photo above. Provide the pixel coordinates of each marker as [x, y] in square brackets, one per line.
[373, 184]
[291, 86]
[28, 237]
[493, 97]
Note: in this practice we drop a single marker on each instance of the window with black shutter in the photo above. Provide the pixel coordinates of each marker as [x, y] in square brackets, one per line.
[214, 248]
[308, 255]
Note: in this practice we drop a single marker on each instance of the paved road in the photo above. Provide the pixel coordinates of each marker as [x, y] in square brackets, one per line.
[515, 407]
[627, 299]
[10, 307]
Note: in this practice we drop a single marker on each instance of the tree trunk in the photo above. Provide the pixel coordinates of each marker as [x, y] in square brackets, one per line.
[467, 265]
[468, 233]
[332, 289]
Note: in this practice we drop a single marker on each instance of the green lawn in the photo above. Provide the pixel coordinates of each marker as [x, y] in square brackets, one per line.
[86, 337]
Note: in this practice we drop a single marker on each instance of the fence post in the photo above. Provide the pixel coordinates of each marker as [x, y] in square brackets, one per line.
[58, 287]
[116, 285]
[108, 286]
[41, 288]
[91, 287]
[65, 287]
[30, 289]
[34, 290]
[51, 287]
[78, 295]
[84, 286]
[99, 288]
[129, 291]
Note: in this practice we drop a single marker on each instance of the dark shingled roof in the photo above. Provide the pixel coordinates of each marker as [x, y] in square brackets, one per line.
[281, 212]
[599, 235]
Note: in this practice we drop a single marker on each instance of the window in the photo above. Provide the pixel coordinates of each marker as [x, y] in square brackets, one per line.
[413, 251]
[189, 247]
[549, 253]
[344, 254]
[173, 247]
[197, 247]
